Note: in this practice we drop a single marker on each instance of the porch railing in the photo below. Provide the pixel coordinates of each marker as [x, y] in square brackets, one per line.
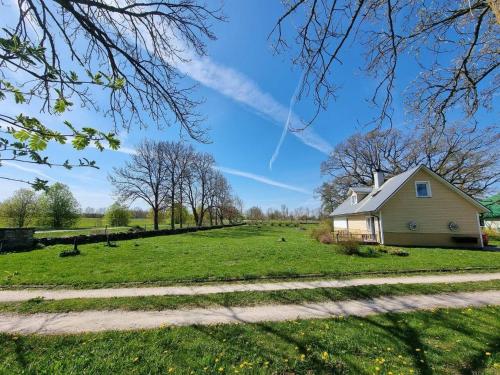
[359, 237]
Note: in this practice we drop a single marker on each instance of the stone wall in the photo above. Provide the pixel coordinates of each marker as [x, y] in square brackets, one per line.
[15, 239]
[93, 238]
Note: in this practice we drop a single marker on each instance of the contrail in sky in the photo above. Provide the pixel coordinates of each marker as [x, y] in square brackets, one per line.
[293, 99]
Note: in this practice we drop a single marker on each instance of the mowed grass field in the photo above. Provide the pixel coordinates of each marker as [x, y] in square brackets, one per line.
[87, 225]
[222, 254]
[444, 341]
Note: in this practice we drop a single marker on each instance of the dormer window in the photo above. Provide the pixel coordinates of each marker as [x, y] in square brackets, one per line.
[423, 189]
[354, 199]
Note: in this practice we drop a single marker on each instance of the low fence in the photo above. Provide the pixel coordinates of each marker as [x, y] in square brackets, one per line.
[120, 236]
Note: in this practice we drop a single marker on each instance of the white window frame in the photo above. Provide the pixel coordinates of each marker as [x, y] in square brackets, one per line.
[370, 224]
[354, 199]
[429, 191]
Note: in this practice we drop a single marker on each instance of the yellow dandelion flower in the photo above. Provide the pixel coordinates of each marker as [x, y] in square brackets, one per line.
[170, 370]
[487, 353]
[221, 369]
[324, 356]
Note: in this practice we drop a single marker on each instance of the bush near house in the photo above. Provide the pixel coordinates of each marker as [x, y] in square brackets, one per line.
[349, 247]
[323, 231]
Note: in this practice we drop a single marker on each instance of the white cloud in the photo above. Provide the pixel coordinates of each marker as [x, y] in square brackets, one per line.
[293, 99]
[26, 169]
[262, 179]
[240, 88]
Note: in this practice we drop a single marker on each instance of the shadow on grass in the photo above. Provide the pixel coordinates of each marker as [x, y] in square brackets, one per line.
[406, 336]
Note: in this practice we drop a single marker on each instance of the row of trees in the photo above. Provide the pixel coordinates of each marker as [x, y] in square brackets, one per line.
[299, 213]
[166, 175]
[463, 155]
[56, 207]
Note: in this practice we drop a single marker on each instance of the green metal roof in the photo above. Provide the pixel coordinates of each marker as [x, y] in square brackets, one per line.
[493, 203]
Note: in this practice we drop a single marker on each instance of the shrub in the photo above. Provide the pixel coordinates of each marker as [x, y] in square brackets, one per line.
[117, 215]
[325, 227]
[372, 252]
[492, 234]
[349, 247]
[326, 238]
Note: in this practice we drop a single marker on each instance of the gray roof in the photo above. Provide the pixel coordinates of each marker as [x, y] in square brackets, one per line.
[376, 198]
[361, 189]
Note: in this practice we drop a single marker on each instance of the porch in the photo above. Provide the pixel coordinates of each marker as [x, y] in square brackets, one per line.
[358, 236]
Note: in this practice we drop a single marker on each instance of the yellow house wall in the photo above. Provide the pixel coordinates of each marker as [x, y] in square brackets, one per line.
[357, 224]
[432, 215]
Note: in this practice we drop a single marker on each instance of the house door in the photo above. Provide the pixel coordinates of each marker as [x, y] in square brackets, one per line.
[370, 225]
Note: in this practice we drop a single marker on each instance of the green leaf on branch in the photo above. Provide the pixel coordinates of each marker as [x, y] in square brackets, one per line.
[61, 104]
[40, 184]
[80, 142]
[37, 143]
[21, 135]
[73, 76]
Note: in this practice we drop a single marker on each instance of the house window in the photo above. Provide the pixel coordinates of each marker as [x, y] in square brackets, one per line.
[354, 199]
[423, 189]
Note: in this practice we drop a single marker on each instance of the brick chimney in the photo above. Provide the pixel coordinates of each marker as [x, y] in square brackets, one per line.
[378, 178]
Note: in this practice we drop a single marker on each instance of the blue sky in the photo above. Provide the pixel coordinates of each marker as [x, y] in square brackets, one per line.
[247, 91]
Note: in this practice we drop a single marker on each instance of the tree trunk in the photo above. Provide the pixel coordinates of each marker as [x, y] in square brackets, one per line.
[155, 218]
[180, 204]
[200, 216]
[172, 206]
[195, 215]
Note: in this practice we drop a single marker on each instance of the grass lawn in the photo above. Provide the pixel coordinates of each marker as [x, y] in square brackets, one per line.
[37, 305]
[230, 253]
[87, 226]
[444, 341]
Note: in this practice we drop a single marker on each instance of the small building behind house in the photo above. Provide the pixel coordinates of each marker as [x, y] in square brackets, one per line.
[491, 220]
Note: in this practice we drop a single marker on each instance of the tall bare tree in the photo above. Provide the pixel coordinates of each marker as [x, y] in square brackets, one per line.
[198, 178]
[145, 177]
[463, 155]
[453, 43]
[177, 158]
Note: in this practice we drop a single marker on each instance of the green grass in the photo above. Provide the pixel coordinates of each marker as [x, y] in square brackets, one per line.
[86, 226]
[231, 253]
[444, 341]
[241, 298]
